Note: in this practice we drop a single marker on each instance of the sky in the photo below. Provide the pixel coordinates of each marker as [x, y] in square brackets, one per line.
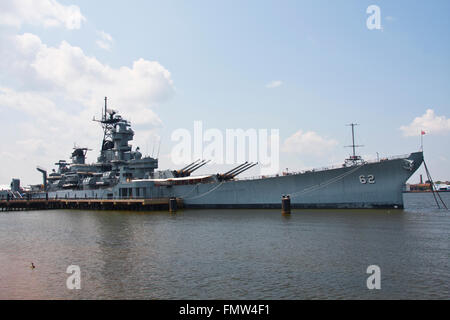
[306, 68]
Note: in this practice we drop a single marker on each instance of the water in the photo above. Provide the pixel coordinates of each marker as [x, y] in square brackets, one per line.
[228, 254]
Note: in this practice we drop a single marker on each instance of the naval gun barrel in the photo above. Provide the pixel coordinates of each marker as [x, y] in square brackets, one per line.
[245, 168]
[182, 172]
[236, 168]
[190, 165]
[196, 167]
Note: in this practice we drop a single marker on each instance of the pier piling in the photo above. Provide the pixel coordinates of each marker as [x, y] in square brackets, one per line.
[173, 205]
[286, 204]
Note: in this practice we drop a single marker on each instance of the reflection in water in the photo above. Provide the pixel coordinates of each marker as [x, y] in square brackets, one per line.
[115, 241]
[234, 254]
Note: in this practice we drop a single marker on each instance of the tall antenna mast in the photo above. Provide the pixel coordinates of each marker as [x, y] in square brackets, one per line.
[108, 122]
[159, 146]
[106, 102]
[354, 158]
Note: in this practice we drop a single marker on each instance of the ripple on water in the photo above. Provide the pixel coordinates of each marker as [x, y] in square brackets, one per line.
[228, 254]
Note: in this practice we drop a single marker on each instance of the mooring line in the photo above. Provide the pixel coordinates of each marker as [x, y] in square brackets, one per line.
[326, 183]
[190, 191]
[432, 189]
[209, 191]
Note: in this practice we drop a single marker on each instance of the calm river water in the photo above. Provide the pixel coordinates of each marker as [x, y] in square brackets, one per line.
[228, 254]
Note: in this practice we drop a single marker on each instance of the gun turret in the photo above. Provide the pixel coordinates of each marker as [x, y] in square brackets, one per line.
[179, 173]
[196, 167]
[236, 168]
[236, 171]
[250, 165]
[186, 171]
[190, 165]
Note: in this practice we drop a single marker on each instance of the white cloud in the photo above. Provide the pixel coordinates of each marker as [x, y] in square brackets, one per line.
[308, 143]
[41, 132]
[106, 40]
[105, 36]
[274, 84]
[27, 102]
[48, 96]
[68, 71]
[428, 122]
[47, 13]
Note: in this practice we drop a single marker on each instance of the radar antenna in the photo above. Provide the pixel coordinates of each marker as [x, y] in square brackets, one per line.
[108, 122]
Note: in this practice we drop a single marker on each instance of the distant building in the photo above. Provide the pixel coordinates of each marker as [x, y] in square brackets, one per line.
[420, 187]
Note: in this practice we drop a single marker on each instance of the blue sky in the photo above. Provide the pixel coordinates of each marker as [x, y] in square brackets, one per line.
[221, 56]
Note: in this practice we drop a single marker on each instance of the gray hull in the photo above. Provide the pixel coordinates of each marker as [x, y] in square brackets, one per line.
[121, 173]
[349, 187]
[370, 185]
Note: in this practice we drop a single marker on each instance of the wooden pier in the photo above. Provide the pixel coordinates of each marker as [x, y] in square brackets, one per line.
[89, 204]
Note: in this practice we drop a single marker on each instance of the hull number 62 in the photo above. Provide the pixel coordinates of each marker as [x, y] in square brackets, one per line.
[369, 179]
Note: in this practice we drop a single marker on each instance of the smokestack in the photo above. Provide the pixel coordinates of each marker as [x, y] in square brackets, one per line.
[44, 176]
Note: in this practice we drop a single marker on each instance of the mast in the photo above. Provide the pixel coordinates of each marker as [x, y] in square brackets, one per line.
[108, 121]
[353, 135]
[354, 158]
[105, 126]
[104, 115]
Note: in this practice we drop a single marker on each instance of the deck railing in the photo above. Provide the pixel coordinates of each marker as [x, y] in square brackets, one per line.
[331, 167]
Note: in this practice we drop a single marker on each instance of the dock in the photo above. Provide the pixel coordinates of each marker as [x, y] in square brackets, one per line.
[156, 204]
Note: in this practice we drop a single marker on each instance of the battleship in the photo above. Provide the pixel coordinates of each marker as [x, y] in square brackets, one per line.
[123, 173]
